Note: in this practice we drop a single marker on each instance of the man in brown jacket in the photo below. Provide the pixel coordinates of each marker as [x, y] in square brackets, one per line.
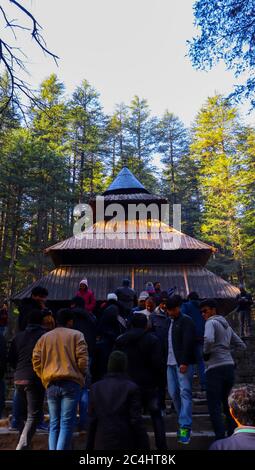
[60, 359]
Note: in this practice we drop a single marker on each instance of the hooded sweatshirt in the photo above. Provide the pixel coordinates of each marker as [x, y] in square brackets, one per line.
[219, 338]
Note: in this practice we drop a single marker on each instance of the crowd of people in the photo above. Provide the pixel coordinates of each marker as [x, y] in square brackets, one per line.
[101, 366]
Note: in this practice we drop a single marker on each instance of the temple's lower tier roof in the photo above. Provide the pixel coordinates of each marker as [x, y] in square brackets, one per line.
[63, 282]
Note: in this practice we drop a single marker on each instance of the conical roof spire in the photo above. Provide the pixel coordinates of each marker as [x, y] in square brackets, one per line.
[125, 182]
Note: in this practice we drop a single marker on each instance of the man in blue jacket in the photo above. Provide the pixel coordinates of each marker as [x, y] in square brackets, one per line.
[180, 360]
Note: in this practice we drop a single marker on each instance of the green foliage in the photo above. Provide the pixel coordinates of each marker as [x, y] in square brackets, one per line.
[71, 151]
[223, 152]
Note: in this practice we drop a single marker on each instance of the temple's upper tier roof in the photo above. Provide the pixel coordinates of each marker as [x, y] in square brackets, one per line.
[125, 182]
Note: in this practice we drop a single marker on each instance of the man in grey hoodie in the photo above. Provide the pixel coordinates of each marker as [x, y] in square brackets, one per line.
[219, 338]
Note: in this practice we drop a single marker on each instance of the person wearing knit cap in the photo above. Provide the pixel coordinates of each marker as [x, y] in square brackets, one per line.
[87, 295]
[115, 410]
[141, 302]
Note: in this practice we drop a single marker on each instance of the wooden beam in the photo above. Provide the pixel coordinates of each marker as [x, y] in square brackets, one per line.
[186, 281]
[133, 277]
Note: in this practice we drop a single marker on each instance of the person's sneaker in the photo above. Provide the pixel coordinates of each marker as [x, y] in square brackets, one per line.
[183, 435]
[12, 428]
[42, 427]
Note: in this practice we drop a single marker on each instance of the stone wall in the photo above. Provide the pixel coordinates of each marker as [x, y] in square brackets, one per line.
[245, 360]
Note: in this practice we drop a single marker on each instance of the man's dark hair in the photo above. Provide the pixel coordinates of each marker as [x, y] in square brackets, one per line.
[174, 301]
[155, 283]
[64, 315]
[39, 290]
[34, 317]
[139, 320]
[211, 303]
[242, 402]
[193, 296]
[78, 302]
[125, 282]
[118, 362]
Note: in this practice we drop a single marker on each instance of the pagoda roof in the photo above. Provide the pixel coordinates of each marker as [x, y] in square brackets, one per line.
[63, 281]
[125, 182]
[146, 235]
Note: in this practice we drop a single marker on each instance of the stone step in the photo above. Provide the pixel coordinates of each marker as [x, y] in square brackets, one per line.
[200, 422]
[199, 440]
[199, 404]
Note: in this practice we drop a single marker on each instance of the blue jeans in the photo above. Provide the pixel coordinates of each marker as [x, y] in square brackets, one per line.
[180, 390]
[63, 397]
[83, 407]
[19, 411]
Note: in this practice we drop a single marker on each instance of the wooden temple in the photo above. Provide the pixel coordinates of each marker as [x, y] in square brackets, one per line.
[172, 258]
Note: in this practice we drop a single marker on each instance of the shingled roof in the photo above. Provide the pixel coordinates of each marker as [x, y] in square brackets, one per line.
[63, 282]
[126, 182]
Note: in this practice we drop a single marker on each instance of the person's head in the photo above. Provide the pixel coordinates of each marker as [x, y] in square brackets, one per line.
[149, 287]
[112, 297]
[241, 403]
[163, 301]
[139, 320]
[142, 298]
[193, 296]
[150, 304]
[83, 285]
[39, 294]
[65, 317]
[77, 302]
[173, 306]
[125, 282]
[118, 362]
[35, 317]
[157, 286]
[208, 308]
[48, 321]
[4, 305]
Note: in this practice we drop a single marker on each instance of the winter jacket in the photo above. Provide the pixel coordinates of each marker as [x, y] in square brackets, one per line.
[192, 309]
[159, 326]
[183, 339]
[89, 299]
[145, 357]
[115, 415]
[61, 354]
[85, 322]
[21, 350]
[111, 322]
[244, 301]
[238, 441]
[218, 340]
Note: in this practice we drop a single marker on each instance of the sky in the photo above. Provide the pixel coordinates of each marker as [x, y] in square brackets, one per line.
[125, 48]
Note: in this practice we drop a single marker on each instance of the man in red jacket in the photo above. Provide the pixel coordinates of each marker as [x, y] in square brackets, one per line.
[87, 295]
